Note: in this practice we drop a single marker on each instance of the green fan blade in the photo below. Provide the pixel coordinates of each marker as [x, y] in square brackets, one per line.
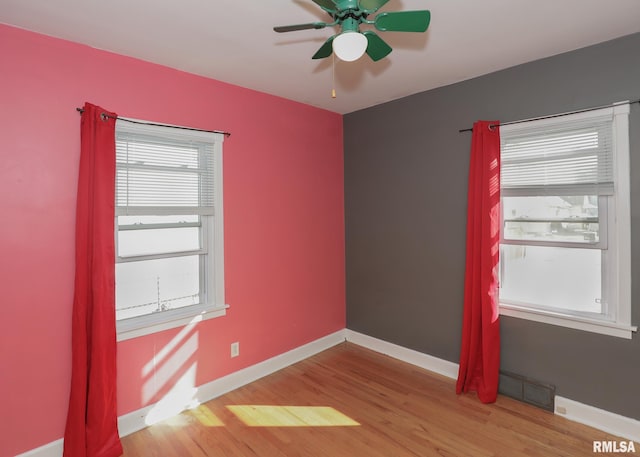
[328, 5]
[376, 46]
[371, 6]
[293, 28]
[325, 50]
[403, 21]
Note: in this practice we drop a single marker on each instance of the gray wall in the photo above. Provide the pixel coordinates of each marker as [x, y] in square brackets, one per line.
[406, 171]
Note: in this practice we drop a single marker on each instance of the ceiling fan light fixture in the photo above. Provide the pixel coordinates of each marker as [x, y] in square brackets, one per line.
[350, 45]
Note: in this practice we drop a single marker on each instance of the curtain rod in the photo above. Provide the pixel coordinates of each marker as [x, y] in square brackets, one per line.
[227, 134]
[551, 116]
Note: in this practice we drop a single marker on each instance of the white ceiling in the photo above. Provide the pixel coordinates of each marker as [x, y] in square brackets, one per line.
[233, 40]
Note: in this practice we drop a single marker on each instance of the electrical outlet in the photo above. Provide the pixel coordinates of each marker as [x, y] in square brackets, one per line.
[235, 349]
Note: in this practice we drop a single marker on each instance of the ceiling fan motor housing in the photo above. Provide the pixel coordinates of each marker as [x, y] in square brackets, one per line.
[349, 9]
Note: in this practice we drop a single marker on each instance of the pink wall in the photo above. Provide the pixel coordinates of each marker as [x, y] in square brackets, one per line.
[284, 225]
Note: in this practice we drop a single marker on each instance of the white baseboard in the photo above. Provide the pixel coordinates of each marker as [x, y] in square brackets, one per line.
[606, 421]
[624, 427]
[420, 359]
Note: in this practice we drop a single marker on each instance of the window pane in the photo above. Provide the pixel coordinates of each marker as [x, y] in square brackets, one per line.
[551, 218]
[156, 285]
[561, 278]
[151, 238]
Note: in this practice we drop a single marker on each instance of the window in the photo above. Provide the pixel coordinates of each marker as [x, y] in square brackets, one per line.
[565, 239]
[169, 231]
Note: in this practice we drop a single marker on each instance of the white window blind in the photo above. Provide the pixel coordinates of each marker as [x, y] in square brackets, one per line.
[574, 158]
[164, 175]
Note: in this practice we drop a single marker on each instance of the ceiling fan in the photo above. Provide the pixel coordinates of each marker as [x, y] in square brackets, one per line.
[350, 43]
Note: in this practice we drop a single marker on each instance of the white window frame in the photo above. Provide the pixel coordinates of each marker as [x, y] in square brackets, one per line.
[212, 242]
[618, 252]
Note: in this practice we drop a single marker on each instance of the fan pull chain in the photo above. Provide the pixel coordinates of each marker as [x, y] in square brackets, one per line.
[333, 75]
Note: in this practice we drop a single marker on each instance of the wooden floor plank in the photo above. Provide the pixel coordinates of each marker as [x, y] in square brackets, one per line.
[400, 410]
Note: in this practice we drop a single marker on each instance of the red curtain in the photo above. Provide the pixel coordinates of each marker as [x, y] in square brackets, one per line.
[480, 352]
[92, 429]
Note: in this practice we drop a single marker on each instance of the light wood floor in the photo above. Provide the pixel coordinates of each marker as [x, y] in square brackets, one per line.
[352, 402]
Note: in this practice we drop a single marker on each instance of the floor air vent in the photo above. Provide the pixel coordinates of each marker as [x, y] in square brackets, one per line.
[527, 390]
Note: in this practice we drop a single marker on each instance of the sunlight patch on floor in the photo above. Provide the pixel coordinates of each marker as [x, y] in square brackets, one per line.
[291, 416]
[206, 417]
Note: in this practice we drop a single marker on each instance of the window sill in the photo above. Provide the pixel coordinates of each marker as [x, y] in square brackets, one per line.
[574, 322]
[152, 323]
